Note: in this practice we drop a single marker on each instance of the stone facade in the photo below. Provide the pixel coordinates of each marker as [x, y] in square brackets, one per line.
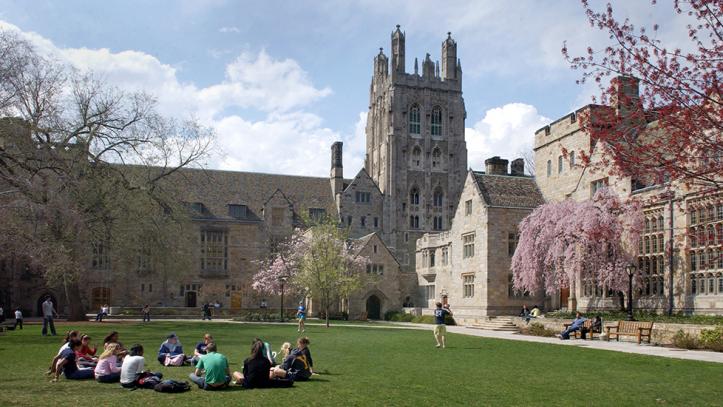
[415, 147]
[469, 265]
[687, 220]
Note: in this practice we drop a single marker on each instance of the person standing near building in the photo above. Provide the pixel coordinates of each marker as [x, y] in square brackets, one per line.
[301, 314]
[18, 318]
[206, 312]
[2, 314]
[440, 328]
[146, 313]
[48, 313]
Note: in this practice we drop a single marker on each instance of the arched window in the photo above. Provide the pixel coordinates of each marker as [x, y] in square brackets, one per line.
[417, 156]
[661, 265]
[438, 197]
[647, 225]
[701, 236]
[719, 232]
[702, 260]
[693, 238]
[414, 196]
[559, 164]
[660, 223]
[436, 121]
[437, 223]
[647, 245]
[549, 168]
[572, 159]
[711, 235]
[414, 222]
[653, 225]
[414, 120]
[436, 158]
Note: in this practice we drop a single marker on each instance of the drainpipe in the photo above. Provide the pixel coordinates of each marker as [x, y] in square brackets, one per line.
[670, 259]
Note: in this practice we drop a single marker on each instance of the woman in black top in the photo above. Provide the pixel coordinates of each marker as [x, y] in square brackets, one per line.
[256, 368]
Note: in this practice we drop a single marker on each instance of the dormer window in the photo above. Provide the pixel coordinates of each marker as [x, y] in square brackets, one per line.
[237, 211]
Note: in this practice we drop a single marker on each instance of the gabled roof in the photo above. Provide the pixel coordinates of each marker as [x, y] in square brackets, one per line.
[508, 190]
[362, 242]
[217, 189]
[359, 175]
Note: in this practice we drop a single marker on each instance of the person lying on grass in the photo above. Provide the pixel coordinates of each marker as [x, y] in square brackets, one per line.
[67, 364]
[212, 372]
[298, 366]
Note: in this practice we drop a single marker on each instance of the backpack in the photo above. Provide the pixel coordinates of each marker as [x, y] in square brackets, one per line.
[148, 381]
[172, 386]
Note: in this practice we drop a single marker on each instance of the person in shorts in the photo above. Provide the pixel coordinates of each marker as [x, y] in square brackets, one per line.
[440, 329]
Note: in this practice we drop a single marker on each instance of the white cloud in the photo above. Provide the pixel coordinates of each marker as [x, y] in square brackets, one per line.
[288, 139]
[505, 131]
[227, 30]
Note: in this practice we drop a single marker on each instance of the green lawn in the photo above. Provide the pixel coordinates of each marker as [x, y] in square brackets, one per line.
[373, 366]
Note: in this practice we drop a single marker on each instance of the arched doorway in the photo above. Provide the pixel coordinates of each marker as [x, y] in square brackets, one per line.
[374, 307]
[41, 300]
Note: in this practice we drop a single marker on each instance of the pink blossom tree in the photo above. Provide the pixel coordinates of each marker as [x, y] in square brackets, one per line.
[593, 240]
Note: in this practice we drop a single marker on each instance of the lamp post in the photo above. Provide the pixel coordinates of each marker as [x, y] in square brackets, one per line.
[282, 280]
[631, 271]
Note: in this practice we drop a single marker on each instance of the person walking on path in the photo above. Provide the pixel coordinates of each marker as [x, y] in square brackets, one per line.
[18, 319]
[146, 313]
[206, 312]
[440, 328]
[48, 313]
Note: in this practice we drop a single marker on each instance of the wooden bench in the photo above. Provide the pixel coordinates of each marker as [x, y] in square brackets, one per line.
[587, 327]
[638, 329]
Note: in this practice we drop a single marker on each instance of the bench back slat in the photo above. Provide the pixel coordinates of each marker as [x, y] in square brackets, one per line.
[633, 326]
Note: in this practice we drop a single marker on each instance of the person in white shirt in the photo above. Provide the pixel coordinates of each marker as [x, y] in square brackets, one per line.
[2, 314]
[18, 319]
[132, 368]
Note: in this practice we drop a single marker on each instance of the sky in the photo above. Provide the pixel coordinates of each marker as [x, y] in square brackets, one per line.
[280, 81]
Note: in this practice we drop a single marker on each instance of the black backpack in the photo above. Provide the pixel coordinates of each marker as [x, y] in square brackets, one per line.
[172, 386]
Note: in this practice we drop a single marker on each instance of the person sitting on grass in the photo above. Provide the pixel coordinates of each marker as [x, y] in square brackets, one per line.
[171, 352]
[535, 313]
[575, 326]
[107, 370]
[525, 313]
[298, 366]
[212, 372]
[66, 345]
[86, 353]
[132, 369]
[67, 364]
[200, 349]
[256, 368]
[112, 337]
[284, 351]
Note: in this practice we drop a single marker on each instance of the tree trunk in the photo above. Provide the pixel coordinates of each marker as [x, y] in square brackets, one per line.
[326, 307]
[76, 309]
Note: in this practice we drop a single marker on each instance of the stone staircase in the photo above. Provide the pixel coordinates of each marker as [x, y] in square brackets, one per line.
[503, 324]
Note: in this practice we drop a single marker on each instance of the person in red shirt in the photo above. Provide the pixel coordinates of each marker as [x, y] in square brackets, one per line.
[86, 353]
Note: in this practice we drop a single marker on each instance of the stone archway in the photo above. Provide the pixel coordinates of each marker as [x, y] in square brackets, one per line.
[374, 307]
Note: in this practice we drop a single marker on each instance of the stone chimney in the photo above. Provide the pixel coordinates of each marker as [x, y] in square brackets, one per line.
[517, 168]
[626, 95]
[496, 166]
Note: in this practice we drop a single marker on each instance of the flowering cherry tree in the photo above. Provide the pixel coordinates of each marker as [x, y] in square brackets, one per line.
[320, 261]
[672, 129]
[593, 240]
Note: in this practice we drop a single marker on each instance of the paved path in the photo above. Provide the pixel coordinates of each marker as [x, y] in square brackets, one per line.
[626, 347]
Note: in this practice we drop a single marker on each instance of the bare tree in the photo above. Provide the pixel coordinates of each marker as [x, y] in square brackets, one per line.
[84, 165]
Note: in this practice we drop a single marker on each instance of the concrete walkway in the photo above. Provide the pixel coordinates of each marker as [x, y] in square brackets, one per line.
[625, 347]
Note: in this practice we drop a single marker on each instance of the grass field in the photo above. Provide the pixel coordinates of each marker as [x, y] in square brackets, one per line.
[372, 366]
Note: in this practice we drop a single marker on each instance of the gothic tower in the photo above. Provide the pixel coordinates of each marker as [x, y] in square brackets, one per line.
[415, 146]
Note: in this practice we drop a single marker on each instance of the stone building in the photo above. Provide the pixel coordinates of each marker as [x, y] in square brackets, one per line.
[468, 266]
[690, 220]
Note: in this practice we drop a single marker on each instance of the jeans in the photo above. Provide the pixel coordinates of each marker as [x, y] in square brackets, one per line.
[566, 333]
[80, 374]
[99, 316]
[206, 315]
[109, 378]
[48, 321]
[18, 322]
[146, 317]
[201, 382]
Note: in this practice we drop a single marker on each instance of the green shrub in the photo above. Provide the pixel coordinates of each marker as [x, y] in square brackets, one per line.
[712, 339]
[537, 329]
[685, 340]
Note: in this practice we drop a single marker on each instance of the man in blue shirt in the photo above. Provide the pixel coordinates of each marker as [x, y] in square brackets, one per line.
[440, 329]
[575, 326]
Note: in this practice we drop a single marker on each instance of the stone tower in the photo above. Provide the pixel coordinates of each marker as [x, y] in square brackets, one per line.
[415, 146]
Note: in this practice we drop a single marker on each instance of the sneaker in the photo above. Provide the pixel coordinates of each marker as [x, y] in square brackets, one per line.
[437, 345]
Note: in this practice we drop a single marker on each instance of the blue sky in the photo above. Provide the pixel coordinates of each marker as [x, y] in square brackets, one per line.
[281, 80]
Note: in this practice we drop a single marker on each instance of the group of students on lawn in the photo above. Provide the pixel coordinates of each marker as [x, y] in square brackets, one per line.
[77, 360]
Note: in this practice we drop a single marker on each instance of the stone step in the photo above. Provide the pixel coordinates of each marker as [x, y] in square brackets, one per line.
[495, 328]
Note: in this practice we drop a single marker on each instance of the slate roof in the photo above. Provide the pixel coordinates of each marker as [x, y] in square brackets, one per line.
[217, 189]
[509, 191]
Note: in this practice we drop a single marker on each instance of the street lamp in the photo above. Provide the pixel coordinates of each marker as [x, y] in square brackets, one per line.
[282, 280]
[631, 271]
